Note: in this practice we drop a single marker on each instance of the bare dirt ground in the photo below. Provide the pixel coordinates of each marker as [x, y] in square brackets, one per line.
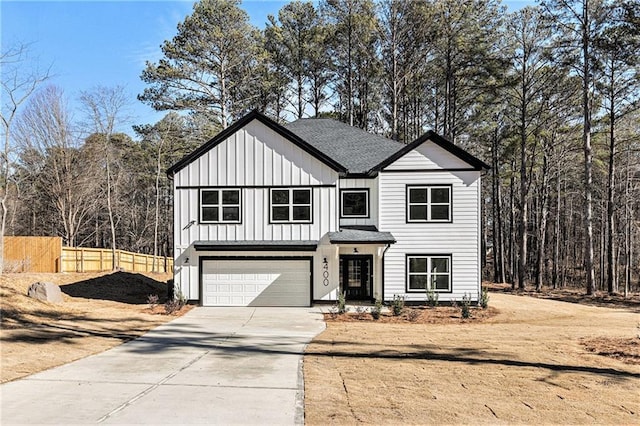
[100, 310]
[535, 361]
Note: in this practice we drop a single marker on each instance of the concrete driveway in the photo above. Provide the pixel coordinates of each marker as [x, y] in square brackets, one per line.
[211, 366]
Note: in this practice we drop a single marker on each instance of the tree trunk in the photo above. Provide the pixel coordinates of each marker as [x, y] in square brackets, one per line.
[556, 235]
[588, 155]
[612, 280]
[542, 226]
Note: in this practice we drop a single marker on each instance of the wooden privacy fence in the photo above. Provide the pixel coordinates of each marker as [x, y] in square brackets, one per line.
[78, 259]
[32, 254]
[46, 254]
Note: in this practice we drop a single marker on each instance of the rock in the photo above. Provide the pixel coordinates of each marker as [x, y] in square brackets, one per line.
[48, 292]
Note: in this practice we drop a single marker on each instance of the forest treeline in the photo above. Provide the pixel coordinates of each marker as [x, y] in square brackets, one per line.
[548, 95]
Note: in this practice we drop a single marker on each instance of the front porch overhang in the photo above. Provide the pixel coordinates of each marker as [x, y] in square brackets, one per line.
[256, 245]
[360, 236]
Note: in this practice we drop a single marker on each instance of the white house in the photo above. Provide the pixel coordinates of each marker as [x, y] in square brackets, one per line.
[272, 215]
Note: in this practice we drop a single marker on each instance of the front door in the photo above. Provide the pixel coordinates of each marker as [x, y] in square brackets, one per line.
[356, 276]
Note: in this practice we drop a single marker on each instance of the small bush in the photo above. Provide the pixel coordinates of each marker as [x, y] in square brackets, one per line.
[484, 298]
[413, 315]
[172, 306]
[377, 309]
[397, 305]
[341, 305]
[175, 304]
[153, 300]
[361, 312]
[432, 298]
[465, 306]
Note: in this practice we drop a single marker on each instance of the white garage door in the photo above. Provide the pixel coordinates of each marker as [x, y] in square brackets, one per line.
[274, 282]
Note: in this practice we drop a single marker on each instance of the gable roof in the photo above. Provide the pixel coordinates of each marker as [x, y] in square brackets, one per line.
[443, 143]
[359, 151]
[346, 149]
[255, 115]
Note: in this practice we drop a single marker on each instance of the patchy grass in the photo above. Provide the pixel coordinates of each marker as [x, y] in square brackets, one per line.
[100, 310]
[528, 363]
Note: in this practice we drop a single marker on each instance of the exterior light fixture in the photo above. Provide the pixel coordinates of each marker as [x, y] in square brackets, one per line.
[355, 250]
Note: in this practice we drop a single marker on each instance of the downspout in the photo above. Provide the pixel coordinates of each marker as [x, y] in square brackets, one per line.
[383, 253]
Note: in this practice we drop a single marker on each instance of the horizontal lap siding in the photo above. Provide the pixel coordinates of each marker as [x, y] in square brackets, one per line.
[459, 238]
[428, 156]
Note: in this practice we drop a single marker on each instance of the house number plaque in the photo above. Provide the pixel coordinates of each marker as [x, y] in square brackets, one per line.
[325, 274]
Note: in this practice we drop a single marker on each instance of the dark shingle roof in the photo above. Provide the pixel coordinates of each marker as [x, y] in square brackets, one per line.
[358, 236]
[352, 147]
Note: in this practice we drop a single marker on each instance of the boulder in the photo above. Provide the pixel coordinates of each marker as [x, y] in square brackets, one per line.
[48, 292]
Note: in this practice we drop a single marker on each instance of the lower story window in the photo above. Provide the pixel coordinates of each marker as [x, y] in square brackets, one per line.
[428, 272]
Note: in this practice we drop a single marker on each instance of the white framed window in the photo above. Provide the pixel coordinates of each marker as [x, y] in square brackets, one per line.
[428, 272]
[290, 205]
[354, 203]
[428, 203]
[220, 206]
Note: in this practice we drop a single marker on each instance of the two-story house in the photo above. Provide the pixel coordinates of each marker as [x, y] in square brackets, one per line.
[273, 215]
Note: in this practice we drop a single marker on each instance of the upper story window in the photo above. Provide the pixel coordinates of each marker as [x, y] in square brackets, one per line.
[220, 206]
[425, 272]
[290, 205]
[354, 203]
[429, 203]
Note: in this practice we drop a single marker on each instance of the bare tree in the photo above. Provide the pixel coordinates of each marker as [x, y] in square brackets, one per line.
[105, 109]
[17, 85]
[49, 148]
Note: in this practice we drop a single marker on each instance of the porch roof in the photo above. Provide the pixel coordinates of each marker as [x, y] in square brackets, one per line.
[360, 236]
[256, 245]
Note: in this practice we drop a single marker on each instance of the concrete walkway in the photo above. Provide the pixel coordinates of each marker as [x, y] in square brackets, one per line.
[211, 366]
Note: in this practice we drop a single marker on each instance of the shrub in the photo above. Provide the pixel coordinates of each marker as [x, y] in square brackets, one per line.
[484, 298]
[152, 300]
[397, 305]
[361, 312]
[172, 306]
[377, 309]
[341, 305]
[413, 315]
[432, 298]
[465, 306]
[175, 304]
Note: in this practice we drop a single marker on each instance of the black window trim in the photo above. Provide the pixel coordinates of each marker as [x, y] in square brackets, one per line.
[428, 255]
[291, 221]
[219, 205]
[368, 203]
[429, 186]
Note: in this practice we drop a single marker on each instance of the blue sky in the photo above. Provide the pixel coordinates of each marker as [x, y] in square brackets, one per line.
[91, 43]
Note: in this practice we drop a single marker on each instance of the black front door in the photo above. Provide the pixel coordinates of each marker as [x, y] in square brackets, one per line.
[356, 276]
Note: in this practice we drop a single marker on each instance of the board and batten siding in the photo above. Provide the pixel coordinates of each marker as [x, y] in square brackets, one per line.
[253, 159]
[460, 238]
[372, 186]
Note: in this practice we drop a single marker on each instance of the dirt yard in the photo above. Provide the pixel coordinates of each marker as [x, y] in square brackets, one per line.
[535, 361]
[99, 311]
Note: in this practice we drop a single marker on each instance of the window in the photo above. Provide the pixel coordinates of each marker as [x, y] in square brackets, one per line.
[290, 205]
[428, 203]
[428, 272]
[220, 206]
[354, 203]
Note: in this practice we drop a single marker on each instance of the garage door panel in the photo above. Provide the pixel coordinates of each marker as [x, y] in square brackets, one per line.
[272, 282]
